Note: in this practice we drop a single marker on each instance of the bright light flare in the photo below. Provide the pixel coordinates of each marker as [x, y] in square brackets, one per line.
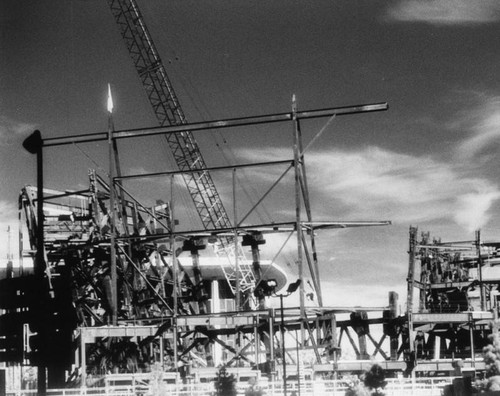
[110, 100]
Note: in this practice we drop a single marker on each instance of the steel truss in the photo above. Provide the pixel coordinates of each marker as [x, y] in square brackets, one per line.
[152, 288]
[450, 305]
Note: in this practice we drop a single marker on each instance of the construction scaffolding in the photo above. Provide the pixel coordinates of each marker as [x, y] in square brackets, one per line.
[452, 300]
[161, 307]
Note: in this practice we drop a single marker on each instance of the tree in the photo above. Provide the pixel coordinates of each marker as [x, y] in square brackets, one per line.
[372, 384]
[491, 355]
[114, 355]
[156, 385]
[357, 388]
[374, 379]
[225, 384]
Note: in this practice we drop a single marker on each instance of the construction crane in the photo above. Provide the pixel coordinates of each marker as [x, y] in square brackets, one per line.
[239, 273]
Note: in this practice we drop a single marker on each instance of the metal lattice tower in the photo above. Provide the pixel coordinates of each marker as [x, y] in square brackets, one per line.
[184, 147]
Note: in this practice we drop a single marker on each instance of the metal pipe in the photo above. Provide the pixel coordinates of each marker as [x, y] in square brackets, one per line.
[236, 256]
[40, 259]
[482, 298]
[234, 122]
[265, 194]
[211, 169]
[175, 271]
[298, 164]
[283, 351]
[114, 277]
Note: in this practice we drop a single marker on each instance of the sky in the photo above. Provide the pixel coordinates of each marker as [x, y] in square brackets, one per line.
[429, 161]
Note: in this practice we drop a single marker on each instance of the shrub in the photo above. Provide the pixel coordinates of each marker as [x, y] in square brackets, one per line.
[225, 384]
[372, 384]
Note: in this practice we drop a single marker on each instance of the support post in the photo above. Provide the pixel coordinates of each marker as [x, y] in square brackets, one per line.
[83, 367]
[112, 247]
[236, 255]
[40, 257]
[283, 350]
[411, 284]
[175, 275]
[298, 206]
[34, 145]
[394, 338]
[271, 344]
[482, 298]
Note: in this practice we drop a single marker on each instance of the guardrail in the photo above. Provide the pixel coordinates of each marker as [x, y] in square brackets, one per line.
[424, 386]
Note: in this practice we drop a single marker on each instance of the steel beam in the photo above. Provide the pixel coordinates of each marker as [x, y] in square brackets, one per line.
[218, 124]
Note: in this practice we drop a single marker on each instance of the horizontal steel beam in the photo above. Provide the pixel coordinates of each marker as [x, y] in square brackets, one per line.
[216, 168]
[232, 122]
[459, 317]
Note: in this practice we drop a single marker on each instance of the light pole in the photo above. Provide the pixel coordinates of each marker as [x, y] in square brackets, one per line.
[34, 145]
[292, 287]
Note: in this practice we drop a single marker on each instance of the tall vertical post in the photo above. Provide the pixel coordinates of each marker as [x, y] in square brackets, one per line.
[283, 350]
[393, 309]
[112, 247]
[298, 205]
[270, 359]
[482, 298]
[83, 360]
[34, 145]
[298, 362]
[175, 273]
[411, 283]
[236, 256]
[40, 257]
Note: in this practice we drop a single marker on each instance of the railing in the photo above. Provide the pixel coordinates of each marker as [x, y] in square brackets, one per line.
[395, 387]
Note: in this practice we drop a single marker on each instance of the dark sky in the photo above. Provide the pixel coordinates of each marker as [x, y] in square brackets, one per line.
[430, 160]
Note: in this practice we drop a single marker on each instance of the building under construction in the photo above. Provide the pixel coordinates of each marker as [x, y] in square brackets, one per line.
[110, 287]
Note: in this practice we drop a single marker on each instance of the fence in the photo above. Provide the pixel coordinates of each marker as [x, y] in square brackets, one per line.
[395, 387]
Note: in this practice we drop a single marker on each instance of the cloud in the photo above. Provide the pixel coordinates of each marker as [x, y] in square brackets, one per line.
[374, 183]
[11, 130]
[446, 12]
[8, 211]
[484, 124]
[8, 218]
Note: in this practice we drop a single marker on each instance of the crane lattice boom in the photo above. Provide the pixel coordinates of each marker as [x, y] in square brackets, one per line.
[184, 147]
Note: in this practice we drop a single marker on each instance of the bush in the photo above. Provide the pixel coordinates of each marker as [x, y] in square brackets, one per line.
[491, 355]
[225, 384]
[372, 384]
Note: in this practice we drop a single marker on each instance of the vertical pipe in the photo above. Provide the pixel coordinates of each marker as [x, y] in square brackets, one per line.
[271, 344]
[236, 255]
[114, 280]
[393, 309]
[283, 350]
[40, 257]
[411, 284]
[471, 335]
[298, 165]
[162, 347]
[256, 320]
[480, 271]
[216, 348]
[84, 361]
[336, 347]
[298, 362]
[174, 270]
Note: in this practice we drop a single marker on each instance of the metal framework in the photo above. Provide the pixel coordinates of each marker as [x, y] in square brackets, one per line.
[183, 145]
[450, 304]
[153, 289]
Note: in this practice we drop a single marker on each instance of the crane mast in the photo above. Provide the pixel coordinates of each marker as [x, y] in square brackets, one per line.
[183, 145]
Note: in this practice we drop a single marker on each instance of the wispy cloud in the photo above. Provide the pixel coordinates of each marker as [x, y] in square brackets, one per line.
[400, 187]
[483, 123]
[8, 218]
[446, 12]
[11, 130]
[8, 211]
